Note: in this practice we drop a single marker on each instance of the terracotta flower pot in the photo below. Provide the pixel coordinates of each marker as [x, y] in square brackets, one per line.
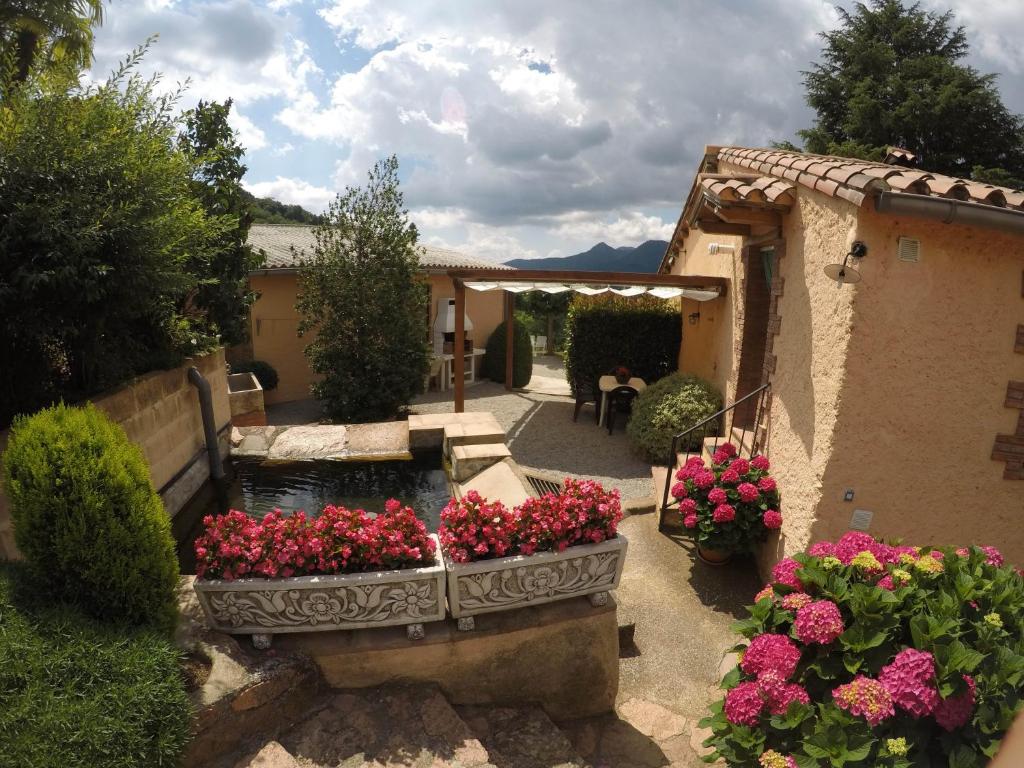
[713, 556]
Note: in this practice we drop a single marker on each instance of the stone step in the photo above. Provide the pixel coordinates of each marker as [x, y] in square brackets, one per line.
[468, 460]
[502, 481]
[426, 430]
[472, 433]
[521, 737]
[390, 725]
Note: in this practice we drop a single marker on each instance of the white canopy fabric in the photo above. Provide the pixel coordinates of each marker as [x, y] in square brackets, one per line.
[661, 292]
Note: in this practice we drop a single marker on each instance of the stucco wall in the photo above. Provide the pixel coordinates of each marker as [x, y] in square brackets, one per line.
[928, 363]
[160, 412]
[275, 323]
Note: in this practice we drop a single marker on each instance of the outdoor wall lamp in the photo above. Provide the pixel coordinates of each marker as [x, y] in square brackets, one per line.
[694, 317]
[844, 274]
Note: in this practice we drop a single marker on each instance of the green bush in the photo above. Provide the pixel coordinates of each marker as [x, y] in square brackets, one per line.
[522, 355]
[641, 333]
[86, 516]
[264, 372]
[666, 408]
[77, 693]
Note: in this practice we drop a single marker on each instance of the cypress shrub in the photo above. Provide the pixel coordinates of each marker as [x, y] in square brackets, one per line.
[522, 355]
[665, 409]
[86, 517]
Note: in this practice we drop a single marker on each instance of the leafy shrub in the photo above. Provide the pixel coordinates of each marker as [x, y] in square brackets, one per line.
[582, 513]
[666, 408]
[78, 693]
[86, 516]
[264, 372]
[339, 540]
[641, 332]
[864, 654]
[493, 365]
[731, 505]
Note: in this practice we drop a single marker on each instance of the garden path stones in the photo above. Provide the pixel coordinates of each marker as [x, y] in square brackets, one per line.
[273, 755]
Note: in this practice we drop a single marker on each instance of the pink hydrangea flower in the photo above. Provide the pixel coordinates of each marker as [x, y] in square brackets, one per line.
[730, 476]
[679, 491]
[993, 556]
[743, 704]
[772, 759]
[818, 622]
[794, 601]
[766, 484]
[852, 544]
[771, 653]
[688, 507]
[822, 549]
[790, 693]
[865, 698]
[772, 519]
[954, 712]
[690, 521]
[748, 492]
[723, 513]
[784, 572]
[761, 463]
[717, 496]
[766, 591]
[910, 680]
[742, 466]
[728, 449]
[704, 479]
[886, 583]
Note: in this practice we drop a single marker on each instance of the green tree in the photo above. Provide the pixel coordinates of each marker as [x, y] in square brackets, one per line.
[57, 32]
[361, 296]
[222, 292]
[892, 74]
[546, 312]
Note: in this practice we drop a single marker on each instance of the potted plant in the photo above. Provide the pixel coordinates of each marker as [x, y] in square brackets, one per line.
[622, 374]
[345, 569]
[863, 653]
[729, 506]
[554, 547]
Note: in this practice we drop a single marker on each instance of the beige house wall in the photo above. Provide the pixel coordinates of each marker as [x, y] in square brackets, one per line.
[160, 412]
[275, 323]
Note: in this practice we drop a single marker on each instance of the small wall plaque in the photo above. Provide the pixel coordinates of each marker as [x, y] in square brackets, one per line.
[861, 519]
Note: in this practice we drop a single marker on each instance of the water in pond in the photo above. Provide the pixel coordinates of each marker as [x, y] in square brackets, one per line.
[260, 487]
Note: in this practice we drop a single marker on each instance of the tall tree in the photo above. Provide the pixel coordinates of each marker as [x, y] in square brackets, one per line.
[217, 181]
[894, 75]
[361, 296]
[60, 32]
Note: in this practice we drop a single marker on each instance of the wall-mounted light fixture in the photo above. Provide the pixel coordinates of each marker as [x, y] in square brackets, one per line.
[716, 248]
[694, 317]
[844, 274]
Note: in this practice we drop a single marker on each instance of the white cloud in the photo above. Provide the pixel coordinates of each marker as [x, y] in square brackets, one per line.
[628, 228]
[249, 135]
[293, 191]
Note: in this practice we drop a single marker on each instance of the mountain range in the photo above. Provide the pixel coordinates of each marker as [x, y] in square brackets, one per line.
[602, 257]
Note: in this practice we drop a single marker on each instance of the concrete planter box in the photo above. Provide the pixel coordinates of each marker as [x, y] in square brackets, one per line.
[264, 607]
[507, 583]
[245, 396]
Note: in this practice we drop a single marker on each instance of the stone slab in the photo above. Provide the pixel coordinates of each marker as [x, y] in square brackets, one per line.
[273, 755]
[499, 482]
[312, 441]
[468, 460]
[388, 439]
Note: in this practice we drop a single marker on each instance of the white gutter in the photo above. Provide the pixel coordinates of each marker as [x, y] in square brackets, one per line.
[950, 211]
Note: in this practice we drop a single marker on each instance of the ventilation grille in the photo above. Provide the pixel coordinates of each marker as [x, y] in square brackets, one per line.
[909, 250]
[542, 485]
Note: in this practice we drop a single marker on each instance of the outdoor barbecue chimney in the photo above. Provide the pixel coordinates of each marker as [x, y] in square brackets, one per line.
[444, 328]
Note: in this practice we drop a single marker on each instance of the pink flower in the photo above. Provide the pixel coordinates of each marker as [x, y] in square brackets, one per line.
[865, 698]
[728, 449]
[679, 490]
[766, 484]
[730, 476]
[772, 519]
[742, 466]
[784, 572]
[766, 592]
[886, 583]
[822, 549]
[771, 652]
[717, 496]
[818, 622]
[780, 701]
[704, 479]
[723, 513]
[993, 556]
[743, 704]
[760, 462]
[954, 712]
[748, 492]
[796, 600]
[910, 679]
[688, 507]
[690, 521]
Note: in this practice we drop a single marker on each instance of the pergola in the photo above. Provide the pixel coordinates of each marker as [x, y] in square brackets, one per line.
[697, 287]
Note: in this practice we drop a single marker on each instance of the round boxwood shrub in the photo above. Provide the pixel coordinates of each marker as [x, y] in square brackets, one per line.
[86, 517]
[522, 355]
[80, 693]
[264, 372]
[666, 408]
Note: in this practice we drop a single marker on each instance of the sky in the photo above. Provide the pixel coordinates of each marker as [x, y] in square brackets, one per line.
[523, 128]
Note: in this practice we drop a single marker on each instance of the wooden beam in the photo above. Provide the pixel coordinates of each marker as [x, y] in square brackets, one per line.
[460, 347]
[749, 216]
[716, 227]
[510, 322]
[581, 277]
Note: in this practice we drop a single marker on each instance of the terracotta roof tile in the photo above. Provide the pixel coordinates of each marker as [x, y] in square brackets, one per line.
[855, 180]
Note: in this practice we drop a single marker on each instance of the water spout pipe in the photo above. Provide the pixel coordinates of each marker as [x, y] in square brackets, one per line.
[209, 426]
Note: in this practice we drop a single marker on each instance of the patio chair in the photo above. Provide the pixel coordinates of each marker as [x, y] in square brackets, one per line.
[620, 400]
[436, 367]
[586, 392]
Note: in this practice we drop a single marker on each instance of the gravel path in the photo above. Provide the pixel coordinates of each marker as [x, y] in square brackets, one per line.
[543, 436]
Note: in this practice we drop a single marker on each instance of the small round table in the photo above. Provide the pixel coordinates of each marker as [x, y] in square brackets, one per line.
[607, 383]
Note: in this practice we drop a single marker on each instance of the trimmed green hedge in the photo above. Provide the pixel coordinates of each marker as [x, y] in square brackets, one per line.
[522, 355]
[86, 516]
[666, 408]
[77, 693]
[642, 333]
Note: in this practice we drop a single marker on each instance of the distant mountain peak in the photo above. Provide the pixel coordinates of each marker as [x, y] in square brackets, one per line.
[602, 257]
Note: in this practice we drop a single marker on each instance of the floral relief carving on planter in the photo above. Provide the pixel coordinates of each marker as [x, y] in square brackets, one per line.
[506, 583]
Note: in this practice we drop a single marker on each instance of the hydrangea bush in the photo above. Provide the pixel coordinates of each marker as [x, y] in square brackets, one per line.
[340, 540]
[582, 513]
[862, 653]
[730, 506]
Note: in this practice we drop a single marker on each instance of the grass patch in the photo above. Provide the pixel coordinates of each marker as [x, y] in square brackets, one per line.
[77, 692]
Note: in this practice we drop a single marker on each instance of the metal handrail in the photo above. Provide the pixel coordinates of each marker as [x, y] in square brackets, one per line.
[761, 392]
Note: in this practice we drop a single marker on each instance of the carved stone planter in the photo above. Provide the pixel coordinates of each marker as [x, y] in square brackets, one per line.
[264, 607]
[507, 583]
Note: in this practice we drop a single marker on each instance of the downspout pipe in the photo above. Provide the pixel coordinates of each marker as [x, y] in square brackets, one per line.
[950, 211]
[199, 381]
